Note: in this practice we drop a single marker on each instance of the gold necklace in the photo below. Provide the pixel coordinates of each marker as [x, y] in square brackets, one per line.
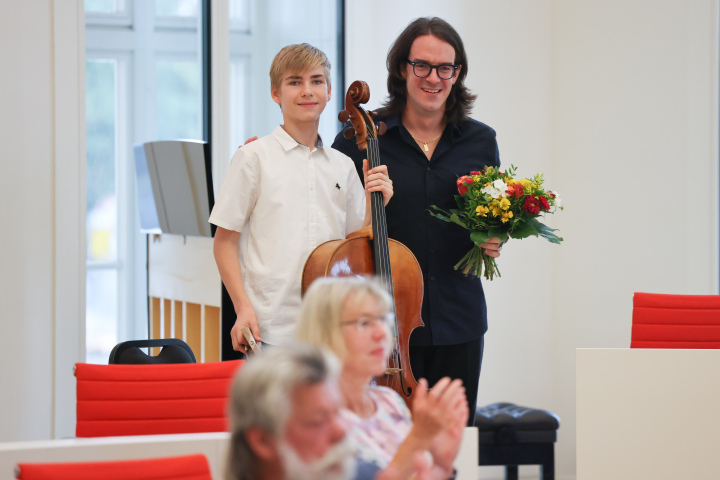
[424, 143]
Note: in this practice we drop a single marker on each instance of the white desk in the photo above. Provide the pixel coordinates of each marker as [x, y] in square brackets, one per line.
[213, 445]
[648, 414]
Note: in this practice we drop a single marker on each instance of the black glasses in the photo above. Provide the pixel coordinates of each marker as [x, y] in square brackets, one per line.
[423, 70]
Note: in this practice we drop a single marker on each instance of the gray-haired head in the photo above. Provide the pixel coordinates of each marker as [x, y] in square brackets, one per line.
[262, 393]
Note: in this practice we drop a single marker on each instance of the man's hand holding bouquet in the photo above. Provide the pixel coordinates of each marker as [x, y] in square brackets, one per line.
[492, 204]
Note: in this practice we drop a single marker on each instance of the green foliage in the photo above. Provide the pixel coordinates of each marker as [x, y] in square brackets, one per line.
[493, 204]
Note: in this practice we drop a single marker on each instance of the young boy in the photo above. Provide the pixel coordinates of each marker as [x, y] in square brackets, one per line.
[284, 195]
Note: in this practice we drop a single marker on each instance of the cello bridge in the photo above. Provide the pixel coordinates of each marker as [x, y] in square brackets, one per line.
[392, 371]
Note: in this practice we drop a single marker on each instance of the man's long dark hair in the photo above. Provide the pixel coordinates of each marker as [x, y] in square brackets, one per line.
[460, 101]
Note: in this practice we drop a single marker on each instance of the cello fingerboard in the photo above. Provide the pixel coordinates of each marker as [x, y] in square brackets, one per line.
[379, 223]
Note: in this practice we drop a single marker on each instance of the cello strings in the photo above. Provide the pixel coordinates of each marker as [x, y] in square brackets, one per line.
[378, 203]
[384, 251]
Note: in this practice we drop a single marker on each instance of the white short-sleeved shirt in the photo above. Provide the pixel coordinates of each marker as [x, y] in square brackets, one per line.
[285, 199]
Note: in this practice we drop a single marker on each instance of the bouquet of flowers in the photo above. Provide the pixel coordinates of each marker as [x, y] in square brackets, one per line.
[491, 204]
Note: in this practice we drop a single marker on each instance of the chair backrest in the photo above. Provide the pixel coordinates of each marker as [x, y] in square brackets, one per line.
[188, 467]
[675, 321]
[174, 351]
[115, 400]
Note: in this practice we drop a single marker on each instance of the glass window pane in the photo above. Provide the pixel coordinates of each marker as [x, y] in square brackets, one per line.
[239, 15]
[100, 114]
[101, 6]
[312, 21]
[178, 100]
[101, 314]
[239, 79]
[177, 8]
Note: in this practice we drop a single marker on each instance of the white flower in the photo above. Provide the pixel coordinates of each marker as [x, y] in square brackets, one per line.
[558, 201]
[496, 190]
[500, 185]
[491, 191]
[557, 204]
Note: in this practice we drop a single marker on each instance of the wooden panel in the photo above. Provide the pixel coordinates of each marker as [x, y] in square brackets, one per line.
[178, 321]
[193, 321]
[167, 318]
[155, 321]
[212, 334]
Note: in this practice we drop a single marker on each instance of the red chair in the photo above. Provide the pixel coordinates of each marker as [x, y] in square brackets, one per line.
[115, 400]
[189, 467]
[675, 321]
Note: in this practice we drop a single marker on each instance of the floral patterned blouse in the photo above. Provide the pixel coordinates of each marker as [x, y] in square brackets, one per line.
[378, 437]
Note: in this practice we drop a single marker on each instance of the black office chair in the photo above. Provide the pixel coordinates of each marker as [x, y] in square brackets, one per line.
[174, 351]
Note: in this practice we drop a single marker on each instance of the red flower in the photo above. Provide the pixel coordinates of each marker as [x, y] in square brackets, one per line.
[551, 194]
[475, 173]
[544, 203]
[515, 190]
[462, 189]
[531, 205]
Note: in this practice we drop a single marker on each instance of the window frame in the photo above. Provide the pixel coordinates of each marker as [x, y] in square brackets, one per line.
[118, 37]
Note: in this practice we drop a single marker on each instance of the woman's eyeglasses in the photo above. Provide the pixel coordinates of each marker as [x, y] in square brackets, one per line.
[368, 322]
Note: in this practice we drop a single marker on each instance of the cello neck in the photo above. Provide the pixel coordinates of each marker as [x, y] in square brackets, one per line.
[379, 224]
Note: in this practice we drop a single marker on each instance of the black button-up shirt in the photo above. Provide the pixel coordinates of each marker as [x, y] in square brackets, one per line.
[454, 309]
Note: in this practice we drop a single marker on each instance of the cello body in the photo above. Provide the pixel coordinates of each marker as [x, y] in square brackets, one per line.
[370, 252]
[354, 256]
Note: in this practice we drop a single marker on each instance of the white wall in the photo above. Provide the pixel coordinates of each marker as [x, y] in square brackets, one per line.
[42, 195]
[635, 154]
[615, 101]
[26, 195]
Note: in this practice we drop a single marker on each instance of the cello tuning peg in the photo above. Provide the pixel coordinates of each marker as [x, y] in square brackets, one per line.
[381, 128]
[349, 133]
[344, 116]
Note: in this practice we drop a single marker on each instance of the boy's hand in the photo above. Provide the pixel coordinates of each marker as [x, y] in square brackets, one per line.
[246, 318]
[377, 180]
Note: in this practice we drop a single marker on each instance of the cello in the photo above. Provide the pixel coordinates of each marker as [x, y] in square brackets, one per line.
[369, 251]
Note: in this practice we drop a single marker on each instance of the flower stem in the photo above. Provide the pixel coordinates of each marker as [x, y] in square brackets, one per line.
[475, 261]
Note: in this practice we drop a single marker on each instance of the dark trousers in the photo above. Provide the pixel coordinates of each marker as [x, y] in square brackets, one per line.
[461, 361]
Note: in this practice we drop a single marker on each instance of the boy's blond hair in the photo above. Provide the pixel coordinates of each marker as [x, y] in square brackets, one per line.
[298, 58]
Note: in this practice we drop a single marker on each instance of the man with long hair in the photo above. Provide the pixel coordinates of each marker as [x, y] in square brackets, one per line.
[429, 143]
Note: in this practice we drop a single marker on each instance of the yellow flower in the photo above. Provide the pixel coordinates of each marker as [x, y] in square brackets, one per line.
[481, 210]
[504, 203]
[496, 212]
[510, 181]
[506, 216]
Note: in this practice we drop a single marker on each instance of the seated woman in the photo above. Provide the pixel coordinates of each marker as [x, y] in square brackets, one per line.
[352, 317]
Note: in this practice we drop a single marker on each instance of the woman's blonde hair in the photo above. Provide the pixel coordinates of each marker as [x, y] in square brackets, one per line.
[323, 306]
[298, 58]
